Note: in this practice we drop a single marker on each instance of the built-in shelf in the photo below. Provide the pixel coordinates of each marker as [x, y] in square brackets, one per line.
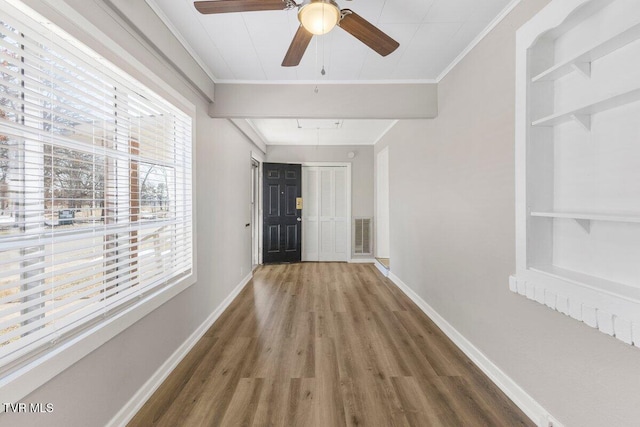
[582, 62]
[583, 114]
[620, 290]
[589, 216]
[574, 63]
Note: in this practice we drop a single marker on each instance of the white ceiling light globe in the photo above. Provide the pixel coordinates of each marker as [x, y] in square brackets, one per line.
[319, 17]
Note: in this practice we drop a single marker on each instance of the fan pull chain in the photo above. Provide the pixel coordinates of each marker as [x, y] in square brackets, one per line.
[315, 90]
[316, 51]
[323, 72]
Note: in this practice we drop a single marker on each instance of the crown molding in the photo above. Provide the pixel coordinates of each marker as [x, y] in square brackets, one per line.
[165, 19]
[503, 14]
[328, 82]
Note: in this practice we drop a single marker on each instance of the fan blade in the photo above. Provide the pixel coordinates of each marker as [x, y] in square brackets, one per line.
[227, 6]
[298, 46]
[367, 33]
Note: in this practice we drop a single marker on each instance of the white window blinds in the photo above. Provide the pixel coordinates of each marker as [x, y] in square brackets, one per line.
[95, 189]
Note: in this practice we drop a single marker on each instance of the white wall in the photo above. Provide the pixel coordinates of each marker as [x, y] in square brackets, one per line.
[361, 169]
[453, 242]
[93, 390]
[382, 204]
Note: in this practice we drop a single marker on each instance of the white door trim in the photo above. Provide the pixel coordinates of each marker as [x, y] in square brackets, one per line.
[259, 157]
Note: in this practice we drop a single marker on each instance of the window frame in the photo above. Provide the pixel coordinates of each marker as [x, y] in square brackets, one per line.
[41, 367]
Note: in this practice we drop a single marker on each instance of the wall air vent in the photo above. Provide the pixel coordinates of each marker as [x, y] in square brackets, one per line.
[362, 236]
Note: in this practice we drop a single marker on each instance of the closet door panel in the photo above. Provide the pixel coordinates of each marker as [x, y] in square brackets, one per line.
[327, 209]
[310, 210]
[340, 214]
[340, 193]
[325, 214]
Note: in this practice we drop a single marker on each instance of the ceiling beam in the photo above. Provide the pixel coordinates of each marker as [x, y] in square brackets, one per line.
[325, 101]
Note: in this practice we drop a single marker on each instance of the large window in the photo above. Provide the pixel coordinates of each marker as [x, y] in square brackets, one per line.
[95, 190]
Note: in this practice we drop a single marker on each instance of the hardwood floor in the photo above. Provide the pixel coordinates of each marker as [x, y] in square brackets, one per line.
[326, 344]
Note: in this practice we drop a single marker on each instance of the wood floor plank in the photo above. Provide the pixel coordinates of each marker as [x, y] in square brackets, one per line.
[402, 346]
[376, 292]
[325, 324]
[387, 397]
[336, 297]
[329, 403]
[492, 400]
[418, 408]
[287, 356]
[273, 405]
[244, 403]
[440, 400]
[175, 384]
[429, 343]
[466, 404]
[191, 395]
[364, 406]
[394, 302]
[353, 360]
[302, 402]
[326, 344]
[211, 404]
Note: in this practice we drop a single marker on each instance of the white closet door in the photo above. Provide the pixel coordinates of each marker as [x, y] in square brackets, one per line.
[340, 214]
[327, 226]
[324, 214]
[310, 208]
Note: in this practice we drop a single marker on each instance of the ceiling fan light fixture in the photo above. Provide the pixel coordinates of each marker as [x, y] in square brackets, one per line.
[319, 17]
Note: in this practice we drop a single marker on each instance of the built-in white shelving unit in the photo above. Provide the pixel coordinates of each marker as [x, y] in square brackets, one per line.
[582, 61]
[595, 283]
[588, 216]
[583, 113]
[578, 163]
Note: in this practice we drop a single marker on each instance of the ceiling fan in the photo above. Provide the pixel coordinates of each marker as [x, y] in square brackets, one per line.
[316, 17]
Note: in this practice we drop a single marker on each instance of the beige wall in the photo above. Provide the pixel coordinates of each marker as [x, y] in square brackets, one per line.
[345, 101]
[453, 242]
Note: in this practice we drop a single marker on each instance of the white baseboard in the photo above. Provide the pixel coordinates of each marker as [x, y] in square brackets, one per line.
[521, 398]
[384, 270]
[131, 408]
[362, 261]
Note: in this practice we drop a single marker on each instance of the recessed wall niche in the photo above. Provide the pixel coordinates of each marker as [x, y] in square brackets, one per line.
[578, 163]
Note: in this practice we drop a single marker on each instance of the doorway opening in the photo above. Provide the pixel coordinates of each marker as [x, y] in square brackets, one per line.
[382, 247]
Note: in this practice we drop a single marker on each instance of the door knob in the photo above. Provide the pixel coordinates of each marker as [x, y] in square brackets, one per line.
[298, 219]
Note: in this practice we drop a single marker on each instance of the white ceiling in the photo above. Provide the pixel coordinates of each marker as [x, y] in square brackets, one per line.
[320, 131]
[250, 46]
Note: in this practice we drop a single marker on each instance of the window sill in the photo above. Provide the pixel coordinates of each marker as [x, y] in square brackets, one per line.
[28, 378]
